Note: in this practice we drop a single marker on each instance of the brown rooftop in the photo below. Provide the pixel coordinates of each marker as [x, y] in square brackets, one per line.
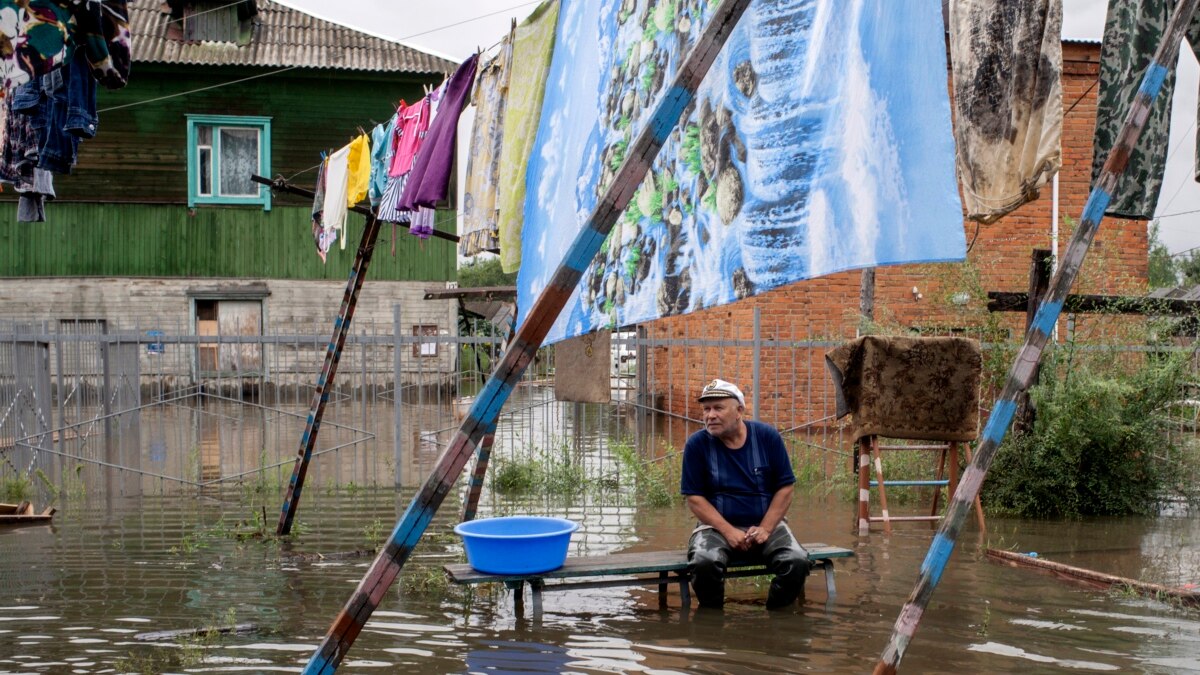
[280, 37]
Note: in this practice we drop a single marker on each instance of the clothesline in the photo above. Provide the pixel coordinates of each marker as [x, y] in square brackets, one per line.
[283, 186]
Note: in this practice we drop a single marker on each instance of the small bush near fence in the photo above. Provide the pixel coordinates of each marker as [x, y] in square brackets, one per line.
[1099, 443]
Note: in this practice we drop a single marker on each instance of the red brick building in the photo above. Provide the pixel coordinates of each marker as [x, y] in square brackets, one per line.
[935, 298]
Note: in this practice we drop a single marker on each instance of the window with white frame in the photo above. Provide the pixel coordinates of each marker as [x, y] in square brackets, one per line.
[223, 151]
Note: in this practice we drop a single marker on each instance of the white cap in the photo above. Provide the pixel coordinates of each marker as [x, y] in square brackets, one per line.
[722, 389]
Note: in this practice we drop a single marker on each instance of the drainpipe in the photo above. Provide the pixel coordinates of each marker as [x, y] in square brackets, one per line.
[1054, 237]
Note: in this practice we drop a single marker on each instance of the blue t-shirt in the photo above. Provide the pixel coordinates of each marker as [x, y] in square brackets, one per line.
[738, 483]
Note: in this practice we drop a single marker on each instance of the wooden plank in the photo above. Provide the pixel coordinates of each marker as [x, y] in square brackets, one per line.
[1001, 301]
[1093, 578]
[193, 632]
[620, 563]
[914, 519]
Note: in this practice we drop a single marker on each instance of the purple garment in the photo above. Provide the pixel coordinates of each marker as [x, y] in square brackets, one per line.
[429, 179]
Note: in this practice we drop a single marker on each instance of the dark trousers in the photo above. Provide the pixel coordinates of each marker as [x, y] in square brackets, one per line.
[709, 554]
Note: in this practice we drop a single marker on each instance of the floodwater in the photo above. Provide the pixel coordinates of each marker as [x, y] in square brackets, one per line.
[74, 596]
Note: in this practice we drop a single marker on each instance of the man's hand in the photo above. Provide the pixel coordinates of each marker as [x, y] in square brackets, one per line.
[738, 539]
[756, 536]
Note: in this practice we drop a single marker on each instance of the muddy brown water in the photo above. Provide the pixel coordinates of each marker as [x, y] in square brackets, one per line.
[74, 595]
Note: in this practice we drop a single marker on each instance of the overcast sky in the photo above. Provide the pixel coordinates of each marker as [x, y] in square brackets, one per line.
[455, 28]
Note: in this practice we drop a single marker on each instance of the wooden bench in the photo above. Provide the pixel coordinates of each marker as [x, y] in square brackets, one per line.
[667, 567]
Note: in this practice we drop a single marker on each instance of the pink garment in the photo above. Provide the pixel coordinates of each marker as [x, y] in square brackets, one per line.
[411, 123]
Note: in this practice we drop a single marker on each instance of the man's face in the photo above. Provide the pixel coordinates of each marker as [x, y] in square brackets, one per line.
[721, 416]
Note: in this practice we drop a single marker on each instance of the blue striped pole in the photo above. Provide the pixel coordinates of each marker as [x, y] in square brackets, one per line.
[333, 355]
[482, 417]
[1022, 372]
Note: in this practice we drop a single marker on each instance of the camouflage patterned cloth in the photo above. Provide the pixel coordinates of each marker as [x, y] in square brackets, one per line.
[34, 37]
[1006, 60]
[1132, 32]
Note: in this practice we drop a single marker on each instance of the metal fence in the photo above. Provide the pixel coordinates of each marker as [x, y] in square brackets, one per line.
[91, 407]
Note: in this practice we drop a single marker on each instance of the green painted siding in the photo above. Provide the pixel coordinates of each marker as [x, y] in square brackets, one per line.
[139, 153]
[167, 241]
[123, 210]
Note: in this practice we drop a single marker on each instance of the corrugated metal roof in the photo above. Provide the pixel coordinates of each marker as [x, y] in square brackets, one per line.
[282, 37]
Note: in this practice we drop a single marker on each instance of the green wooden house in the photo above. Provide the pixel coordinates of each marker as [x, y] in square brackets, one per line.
[159, 225]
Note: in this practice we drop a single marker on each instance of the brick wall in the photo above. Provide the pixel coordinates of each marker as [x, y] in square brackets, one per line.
[795, 387]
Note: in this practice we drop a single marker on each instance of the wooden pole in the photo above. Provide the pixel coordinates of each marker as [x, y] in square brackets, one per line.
[1020, 375]
[333, 355]
[471, 504]
[866, 297]
[642, 151]
[1039, 284]
[282, 185]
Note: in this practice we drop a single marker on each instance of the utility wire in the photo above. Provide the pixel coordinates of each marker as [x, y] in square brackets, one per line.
[193, 91]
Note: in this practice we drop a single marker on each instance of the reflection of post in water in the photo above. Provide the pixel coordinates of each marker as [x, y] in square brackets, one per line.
[210, 450]
[497, 656]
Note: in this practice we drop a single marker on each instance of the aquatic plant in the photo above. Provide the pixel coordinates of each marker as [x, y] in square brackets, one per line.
[16, 489]
[655, 482]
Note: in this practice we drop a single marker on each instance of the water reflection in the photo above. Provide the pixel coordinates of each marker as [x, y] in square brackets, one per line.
[74, 595]
[515, 656]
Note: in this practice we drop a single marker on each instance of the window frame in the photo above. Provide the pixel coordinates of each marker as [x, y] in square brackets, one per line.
[260, 124]
[422, 349]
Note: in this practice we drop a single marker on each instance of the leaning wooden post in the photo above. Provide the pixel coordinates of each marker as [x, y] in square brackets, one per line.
[386, 566]
[471, 504]
[1039, 283]
[333, 354]
[1020, 375]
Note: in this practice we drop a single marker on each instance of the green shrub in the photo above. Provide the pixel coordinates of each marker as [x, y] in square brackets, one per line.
[1093, 446]
[16, 489]
[515, 476]
[554, 473]
[655, 482]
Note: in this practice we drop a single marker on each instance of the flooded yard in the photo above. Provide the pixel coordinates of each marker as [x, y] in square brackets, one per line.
[75, 595]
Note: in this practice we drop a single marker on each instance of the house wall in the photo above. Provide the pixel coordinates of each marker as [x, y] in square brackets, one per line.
[304, 310]
[795, 386]
[123, 210]
[159, 240]
[139, 153]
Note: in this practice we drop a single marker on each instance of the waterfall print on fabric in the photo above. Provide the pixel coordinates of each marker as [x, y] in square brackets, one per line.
[820, 141]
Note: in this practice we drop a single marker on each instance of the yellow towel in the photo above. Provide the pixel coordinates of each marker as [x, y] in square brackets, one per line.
[358, 176]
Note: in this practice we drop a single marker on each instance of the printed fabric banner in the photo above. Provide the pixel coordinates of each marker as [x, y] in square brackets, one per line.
[820, 141]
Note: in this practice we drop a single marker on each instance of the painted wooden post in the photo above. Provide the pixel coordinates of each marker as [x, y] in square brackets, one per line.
[471, 505]
[1020, 375]
[1040, 264]
[386, 566]
[866, 297]
[333, 354]
[863, 458]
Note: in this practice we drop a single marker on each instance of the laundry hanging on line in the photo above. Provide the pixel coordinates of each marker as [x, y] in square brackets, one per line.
[533, 47]
[480, 216]
[1006, 66]
[379, 166]
[1130, 24]
[53, 55]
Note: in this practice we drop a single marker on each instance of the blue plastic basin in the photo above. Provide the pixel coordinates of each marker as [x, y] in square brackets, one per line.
[516, 544]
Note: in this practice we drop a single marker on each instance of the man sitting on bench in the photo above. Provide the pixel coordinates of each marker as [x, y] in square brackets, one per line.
[737, 479]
